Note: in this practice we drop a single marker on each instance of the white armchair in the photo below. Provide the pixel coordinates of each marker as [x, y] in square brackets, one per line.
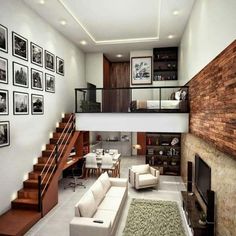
[143, 176]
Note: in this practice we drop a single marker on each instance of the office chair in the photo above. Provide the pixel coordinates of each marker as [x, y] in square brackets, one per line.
[76, 173]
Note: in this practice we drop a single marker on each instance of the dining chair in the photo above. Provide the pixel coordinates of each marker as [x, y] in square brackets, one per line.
[91, 164]
[108, 164]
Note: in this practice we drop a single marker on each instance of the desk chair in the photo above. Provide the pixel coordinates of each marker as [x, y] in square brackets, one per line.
[76, 173]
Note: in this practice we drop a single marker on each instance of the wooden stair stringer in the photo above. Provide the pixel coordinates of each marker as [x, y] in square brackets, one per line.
[50, 197]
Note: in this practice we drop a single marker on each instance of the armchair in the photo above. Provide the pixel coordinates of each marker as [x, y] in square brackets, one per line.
[143, 176]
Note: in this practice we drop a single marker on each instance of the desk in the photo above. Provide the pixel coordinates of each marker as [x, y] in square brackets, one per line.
[71, 162]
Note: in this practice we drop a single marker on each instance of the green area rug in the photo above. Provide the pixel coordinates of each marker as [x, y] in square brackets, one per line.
[153, 218]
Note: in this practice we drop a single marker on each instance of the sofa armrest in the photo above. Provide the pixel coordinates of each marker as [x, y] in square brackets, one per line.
[83, 226]
[155, 172]
[131, 176]
[123, 182]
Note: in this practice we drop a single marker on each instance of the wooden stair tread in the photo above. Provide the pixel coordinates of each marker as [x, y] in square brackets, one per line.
[17, 222]
[29, 201]
[32, 190]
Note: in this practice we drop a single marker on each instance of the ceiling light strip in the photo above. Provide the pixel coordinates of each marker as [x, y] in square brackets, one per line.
[76, 19]
[114, 41]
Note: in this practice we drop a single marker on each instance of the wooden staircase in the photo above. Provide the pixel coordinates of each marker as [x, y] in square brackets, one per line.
[40, 191]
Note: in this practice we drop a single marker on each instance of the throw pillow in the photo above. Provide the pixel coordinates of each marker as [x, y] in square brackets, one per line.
[98, 192]
[87, 205]
[104, 178]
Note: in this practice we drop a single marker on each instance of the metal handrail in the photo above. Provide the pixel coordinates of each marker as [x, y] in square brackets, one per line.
[52, 156]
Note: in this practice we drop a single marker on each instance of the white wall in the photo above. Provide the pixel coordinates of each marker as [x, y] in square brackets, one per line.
[211, 28]
[28, 133]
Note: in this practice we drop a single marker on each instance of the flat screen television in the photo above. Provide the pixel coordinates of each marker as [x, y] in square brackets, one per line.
[202, 177]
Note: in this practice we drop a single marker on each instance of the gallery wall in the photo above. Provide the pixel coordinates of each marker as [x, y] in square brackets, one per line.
[210, 29]
[29, 133]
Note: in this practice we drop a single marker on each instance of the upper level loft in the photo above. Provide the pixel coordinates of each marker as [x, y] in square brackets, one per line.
[171, 99]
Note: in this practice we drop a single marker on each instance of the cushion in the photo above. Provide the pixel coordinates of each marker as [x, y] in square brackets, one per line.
[147, 179]
[104, 178]
[87, 205]
[110, 203]
[116, 191]
[98, 192]
[142, 169]
[105, 215]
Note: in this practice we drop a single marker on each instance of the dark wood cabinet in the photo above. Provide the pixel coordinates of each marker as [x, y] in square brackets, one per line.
[163, 151]
[165, 63]
[193, 211]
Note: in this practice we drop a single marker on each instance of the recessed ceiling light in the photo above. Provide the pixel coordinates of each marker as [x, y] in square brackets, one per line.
[41, 2]
[170, 36]
[63, 22]
[119, 55]
[83, 42]
[175, 13]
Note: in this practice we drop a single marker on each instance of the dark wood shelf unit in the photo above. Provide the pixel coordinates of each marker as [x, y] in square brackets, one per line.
[165, 63]
[193, 211]
[162, 154]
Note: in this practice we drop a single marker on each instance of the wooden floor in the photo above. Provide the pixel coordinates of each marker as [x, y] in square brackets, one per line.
[17, 222]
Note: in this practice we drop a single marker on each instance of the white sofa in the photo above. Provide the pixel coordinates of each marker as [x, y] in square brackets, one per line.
[97, 213]
[143, 176]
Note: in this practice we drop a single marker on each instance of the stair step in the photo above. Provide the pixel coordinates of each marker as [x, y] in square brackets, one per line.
[64, 124]
[39, 167]
[17, 222]
[52, 146]
[25, 203]
[58, 135]
[67, 115]
[28, 193]
[35, 174]
[60, 130]
[33, 183]
[43, 160]
[65, 120]
[55, 141]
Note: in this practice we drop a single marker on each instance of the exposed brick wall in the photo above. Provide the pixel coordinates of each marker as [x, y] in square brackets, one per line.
[213, 102]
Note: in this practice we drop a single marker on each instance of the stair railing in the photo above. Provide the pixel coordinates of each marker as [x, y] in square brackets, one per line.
[56, 154]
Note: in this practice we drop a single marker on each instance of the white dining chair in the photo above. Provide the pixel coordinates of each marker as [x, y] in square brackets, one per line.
[91, 164]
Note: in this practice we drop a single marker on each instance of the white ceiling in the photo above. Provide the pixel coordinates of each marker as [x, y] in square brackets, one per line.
[117, 26]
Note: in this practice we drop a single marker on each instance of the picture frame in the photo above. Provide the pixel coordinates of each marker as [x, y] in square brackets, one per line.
[19, 46]
[36, 54]
[20, 75]
[49, 61]
[60, 66]
[49, 83]
[3, 70]
[36, 79]
[4, 102]
[20, 103]
[4, 133]
[37, 104]
[141, 70]
[3, 39]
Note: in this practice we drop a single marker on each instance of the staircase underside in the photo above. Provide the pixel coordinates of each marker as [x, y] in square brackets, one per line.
[18, 222]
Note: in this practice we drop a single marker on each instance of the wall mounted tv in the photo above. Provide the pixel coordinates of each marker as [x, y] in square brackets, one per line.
[202, 177]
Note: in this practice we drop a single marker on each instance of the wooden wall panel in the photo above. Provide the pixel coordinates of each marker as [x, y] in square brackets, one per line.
[213, 102]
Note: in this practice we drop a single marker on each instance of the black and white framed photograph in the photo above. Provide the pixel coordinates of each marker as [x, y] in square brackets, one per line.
[36, 54]
[36, 79]
[141, 70]
[20, 75]
[49, 83]
[3, 70]
[4, 102]
[4, 133]
[49, 61]
[3, 39]
[19, 46]
[20, 103]
[37, 104]
[60, 66]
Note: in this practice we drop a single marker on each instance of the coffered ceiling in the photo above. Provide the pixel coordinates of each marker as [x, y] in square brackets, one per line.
[116, 26]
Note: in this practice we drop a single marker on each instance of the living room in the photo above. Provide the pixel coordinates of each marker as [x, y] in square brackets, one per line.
[204, 33]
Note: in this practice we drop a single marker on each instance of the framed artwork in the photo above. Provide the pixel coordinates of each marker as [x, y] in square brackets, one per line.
[36, 53]
[20, 75]
[49, 61]
[36, 79]
[60, 66]
[49, 83]
[4, 133]
[19, 46]
[3, 70]
[4, 102]
[141, 70]
[3, 39]
[37, 104]
[20, 103]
